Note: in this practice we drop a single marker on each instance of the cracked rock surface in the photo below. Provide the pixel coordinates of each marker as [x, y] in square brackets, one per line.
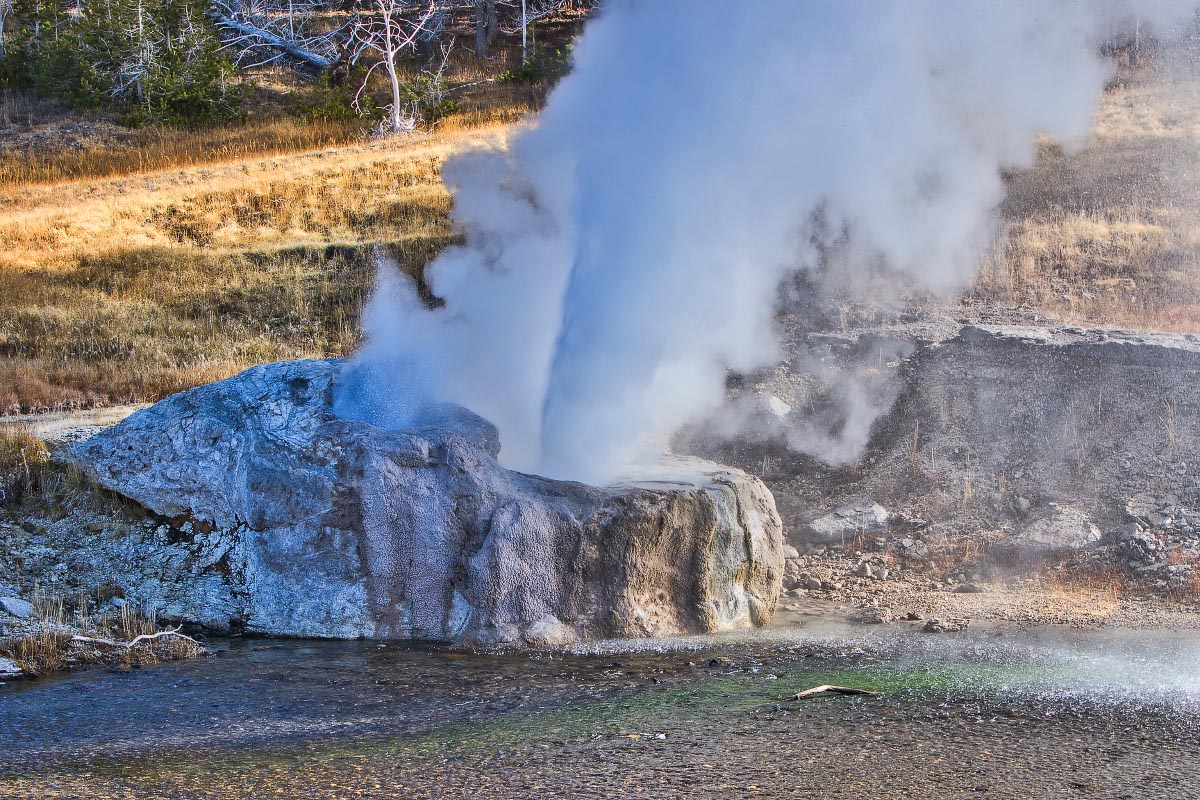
[286, 519]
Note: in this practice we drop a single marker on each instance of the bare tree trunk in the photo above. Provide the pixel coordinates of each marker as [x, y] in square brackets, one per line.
[394, 77]
[1137, 43]
[389, 31]
[6, 8]
[141, 29]
[486, 26]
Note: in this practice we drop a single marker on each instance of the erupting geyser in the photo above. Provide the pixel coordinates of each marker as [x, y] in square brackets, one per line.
[622, 254]
[626, 249]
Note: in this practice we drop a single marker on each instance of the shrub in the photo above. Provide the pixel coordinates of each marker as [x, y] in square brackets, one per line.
[333, 103]
[428, 94]
[539, 67]
[23, 463]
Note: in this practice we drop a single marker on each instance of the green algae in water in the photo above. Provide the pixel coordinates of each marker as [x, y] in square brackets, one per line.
[442, 707]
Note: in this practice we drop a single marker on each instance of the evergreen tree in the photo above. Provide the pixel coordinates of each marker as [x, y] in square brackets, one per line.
[155, 60]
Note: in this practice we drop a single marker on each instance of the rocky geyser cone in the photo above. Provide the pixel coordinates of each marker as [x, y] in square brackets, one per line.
[306, 524]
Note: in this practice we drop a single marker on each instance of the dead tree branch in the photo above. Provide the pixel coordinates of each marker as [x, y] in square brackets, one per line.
[134, 642]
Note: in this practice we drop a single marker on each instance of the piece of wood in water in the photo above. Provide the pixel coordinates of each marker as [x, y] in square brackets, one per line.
[828, 689]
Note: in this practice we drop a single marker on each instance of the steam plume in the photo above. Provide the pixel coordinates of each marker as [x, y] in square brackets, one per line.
[625, 250]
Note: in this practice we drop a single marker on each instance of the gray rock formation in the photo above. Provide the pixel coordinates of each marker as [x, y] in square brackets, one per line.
[845, 522]
[991, 424]
[286, 519]
[16, 607]
[1062, 528]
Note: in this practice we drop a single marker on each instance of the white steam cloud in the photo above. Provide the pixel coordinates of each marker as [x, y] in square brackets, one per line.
[626, 249]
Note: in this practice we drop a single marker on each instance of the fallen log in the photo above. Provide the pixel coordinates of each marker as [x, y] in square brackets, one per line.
[827, 689]
[266, 39]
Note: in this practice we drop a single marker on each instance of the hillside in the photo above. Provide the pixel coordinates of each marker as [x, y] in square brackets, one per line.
[140, 262]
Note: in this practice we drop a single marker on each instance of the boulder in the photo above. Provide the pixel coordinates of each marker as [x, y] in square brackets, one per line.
[913, 549]
[16, 607]
[306, 524]
[1137, 546]
[846, 522]
[9, 669]
[1063, 528]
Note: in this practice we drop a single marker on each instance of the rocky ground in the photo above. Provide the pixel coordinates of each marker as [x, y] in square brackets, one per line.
[982, 468]
[882, 586]
[872, 567]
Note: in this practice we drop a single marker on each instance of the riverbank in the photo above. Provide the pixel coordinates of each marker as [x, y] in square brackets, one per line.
[51, 635]
[933, 599]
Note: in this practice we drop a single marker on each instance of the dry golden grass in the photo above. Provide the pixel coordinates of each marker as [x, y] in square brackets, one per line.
[125, 289]
[1090, 591]
[23, 458]
[63, 634]
[139, 263]
[156, 149]
[1109, 235]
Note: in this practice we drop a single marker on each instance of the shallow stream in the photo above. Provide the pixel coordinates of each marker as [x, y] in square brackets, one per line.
[998, 713]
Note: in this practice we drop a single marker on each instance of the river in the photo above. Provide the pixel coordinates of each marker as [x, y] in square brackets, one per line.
[995, 713]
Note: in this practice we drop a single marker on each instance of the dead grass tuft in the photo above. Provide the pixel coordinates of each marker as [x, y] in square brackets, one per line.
[64, 634]
[24, 459]
[1093, 589]
[951, 554]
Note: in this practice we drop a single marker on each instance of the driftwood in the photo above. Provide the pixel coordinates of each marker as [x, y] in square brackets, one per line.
[827, 689]
[135, 641]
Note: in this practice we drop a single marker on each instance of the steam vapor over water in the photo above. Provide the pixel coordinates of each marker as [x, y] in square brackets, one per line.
[626, 250]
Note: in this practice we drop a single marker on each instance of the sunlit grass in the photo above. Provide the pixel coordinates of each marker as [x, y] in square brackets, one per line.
[1106, 234]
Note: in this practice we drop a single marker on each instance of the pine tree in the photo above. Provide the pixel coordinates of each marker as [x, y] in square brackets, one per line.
[154, 60]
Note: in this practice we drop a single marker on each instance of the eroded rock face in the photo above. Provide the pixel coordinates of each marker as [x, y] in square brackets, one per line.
[1062, 528]
[328, 527]
[991, 425]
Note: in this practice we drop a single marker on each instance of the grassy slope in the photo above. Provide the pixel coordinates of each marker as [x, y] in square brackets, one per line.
[133, 286]
[1110, 234]
[180, 258]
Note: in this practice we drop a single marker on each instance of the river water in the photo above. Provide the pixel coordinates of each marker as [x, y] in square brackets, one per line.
[993, 714]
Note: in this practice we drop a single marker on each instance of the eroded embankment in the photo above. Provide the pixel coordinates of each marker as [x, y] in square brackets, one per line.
[1058, 462]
